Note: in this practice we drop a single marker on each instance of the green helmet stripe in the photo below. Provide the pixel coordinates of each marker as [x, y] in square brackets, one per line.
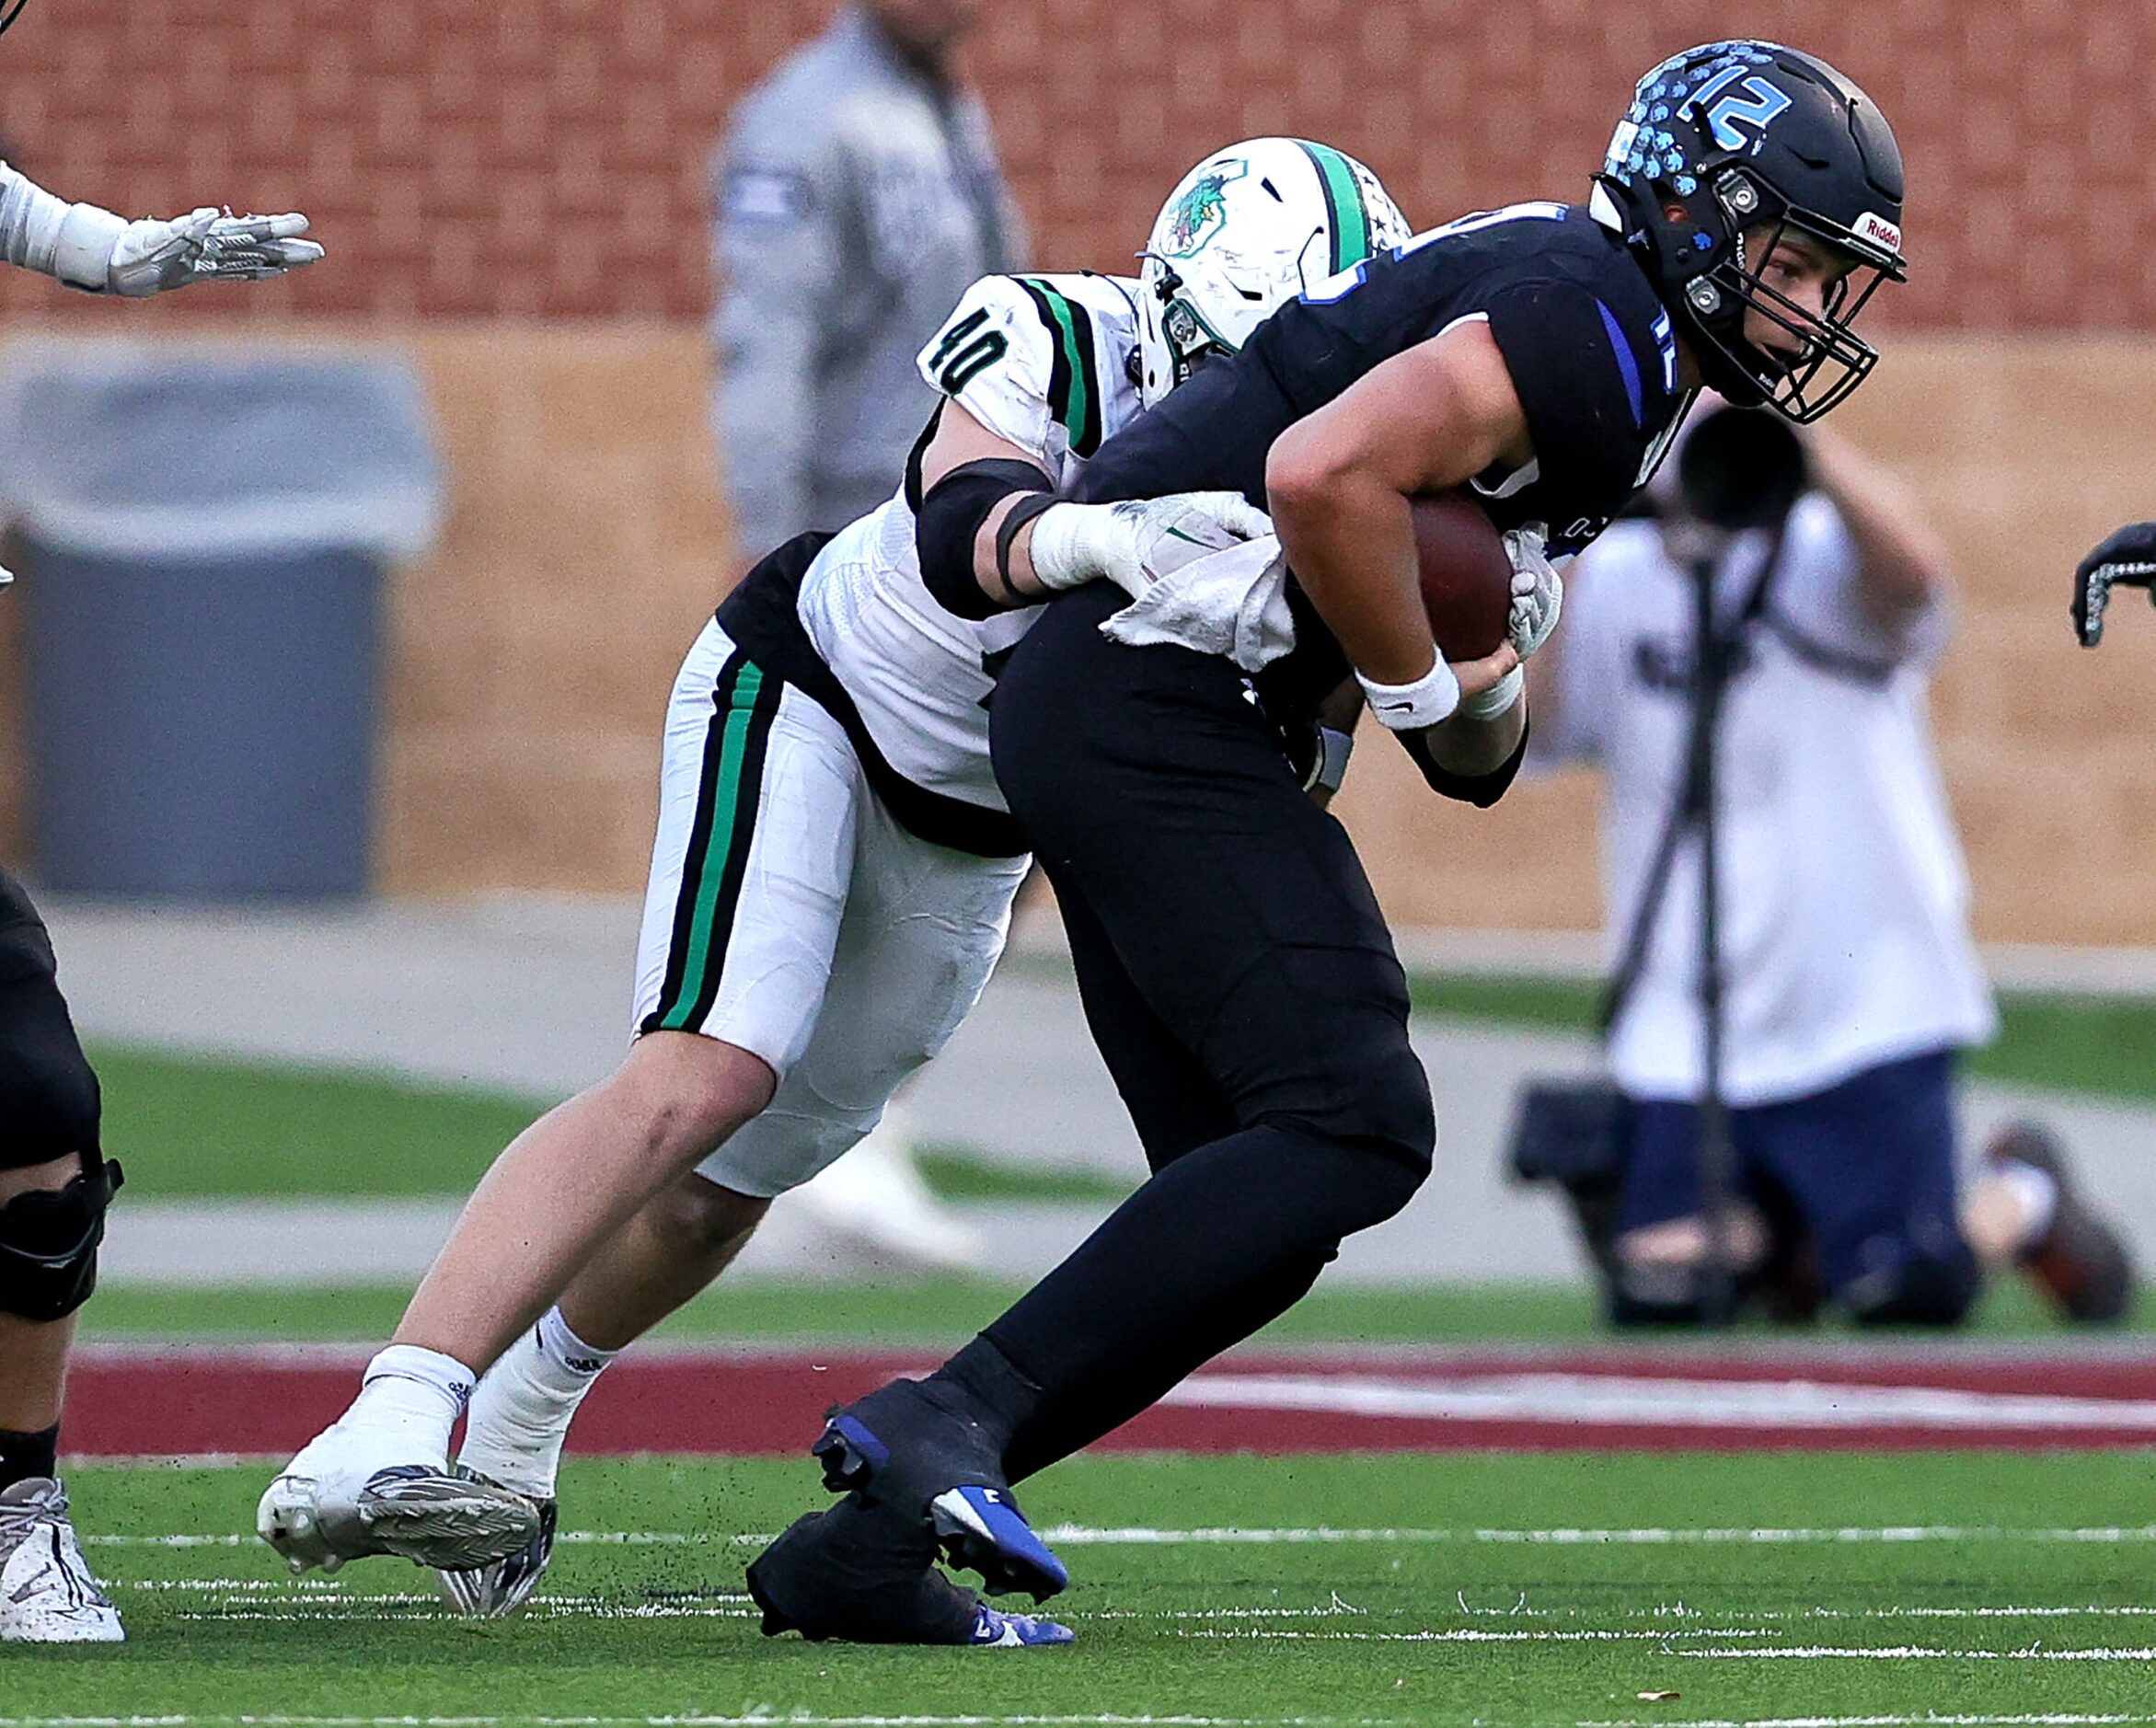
[1349, 219]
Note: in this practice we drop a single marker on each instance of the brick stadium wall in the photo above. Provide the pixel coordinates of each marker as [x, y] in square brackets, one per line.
[516, 196]
[474, 159]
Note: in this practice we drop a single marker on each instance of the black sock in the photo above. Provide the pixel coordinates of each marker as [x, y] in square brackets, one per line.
[1208, 1250]
[999, 1393]
[1059, 1426]
[23, 1455]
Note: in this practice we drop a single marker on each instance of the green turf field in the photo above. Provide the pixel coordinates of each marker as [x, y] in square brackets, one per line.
[944, 1312]
[1833, 1590]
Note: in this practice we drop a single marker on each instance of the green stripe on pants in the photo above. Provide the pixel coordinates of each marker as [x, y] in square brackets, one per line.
[711, 868]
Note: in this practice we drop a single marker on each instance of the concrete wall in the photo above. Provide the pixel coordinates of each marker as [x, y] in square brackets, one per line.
[585, 544]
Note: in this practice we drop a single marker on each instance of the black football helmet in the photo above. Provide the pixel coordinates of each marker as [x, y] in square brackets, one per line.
[1734, 137]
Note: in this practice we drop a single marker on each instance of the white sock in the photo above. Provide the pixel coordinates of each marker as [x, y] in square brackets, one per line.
[410, 1400]
[2036, 1193]
[521, 1413]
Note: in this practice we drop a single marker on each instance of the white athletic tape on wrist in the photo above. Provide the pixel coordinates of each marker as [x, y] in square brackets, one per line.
[1061, 549]
[1408, 708]
[1497, 699]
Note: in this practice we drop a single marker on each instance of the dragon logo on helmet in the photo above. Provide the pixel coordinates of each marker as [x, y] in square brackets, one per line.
[1202, 212]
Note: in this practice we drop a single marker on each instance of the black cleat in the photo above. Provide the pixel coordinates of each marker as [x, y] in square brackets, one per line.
[905, 1447]
[856, 1573]
[2082, 1263]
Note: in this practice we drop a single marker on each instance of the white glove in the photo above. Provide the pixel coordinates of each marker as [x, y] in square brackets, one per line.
[1537, 591]
[106, 254]
[1135, 543]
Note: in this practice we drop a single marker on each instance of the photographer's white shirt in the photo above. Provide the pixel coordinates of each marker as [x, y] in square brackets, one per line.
[1844, 914]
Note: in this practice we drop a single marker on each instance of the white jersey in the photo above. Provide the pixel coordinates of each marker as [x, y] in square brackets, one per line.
[1044, 363]
[1844, 912]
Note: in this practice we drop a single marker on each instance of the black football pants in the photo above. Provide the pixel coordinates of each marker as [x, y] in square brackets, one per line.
[48, 1104]
[1242, 987]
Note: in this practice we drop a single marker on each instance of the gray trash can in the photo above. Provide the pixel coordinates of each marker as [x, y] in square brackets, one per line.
[203, 538]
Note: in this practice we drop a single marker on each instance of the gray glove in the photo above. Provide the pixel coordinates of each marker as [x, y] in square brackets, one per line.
[2126, 560]
[205, 245]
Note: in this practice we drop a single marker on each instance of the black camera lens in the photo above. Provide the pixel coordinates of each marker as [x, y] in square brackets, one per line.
[1741, 467]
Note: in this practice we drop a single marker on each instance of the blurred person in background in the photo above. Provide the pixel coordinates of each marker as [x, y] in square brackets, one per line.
[56, 1182]
[857, 196]
[1852, 982]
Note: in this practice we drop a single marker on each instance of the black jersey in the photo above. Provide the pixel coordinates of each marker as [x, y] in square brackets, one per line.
[1589, 347]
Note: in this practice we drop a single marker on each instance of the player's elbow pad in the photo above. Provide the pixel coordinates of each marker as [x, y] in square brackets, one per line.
[947, 528]
[1481, 790]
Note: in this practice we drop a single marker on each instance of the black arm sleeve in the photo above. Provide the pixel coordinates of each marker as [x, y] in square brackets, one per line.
[948, 523]
[1481, 790]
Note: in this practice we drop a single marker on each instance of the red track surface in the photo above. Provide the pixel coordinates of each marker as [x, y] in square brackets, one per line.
[182, 1400]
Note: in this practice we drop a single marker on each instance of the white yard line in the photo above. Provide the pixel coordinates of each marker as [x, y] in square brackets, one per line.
[1466, 1635]
[761, 1719]
[1918, 1653]
[1142, 1536]
[2057, 1719]
[1655, 1536]
[1656, 1401]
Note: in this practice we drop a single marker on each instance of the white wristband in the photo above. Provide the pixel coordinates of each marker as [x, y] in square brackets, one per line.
[1061, 549]
[82, 251]
[1408, 708]
[1498, 699]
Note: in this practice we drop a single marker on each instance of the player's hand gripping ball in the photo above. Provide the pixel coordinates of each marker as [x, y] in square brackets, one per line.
[1466, 575]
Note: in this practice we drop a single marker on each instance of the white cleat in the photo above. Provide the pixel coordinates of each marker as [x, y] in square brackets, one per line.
[876, 1197]
[47, 1593]
[430, 1517]
[487, 1592]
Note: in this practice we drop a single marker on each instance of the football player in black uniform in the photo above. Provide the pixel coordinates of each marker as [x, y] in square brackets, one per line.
[1235, 968]
[54, 1180]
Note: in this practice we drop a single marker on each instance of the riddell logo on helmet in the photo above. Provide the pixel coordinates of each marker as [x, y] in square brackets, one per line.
[1879, 231]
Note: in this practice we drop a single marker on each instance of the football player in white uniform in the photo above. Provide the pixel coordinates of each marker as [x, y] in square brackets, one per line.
[56, 1182]
[830, 884]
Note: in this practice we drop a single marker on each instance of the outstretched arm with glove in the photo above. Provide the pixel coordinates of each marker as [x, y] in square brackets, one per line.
[88, 248]
[2127, 559]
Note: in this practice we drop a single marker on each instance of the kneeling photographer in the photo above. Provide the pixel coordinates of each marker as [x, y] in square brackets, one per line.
[1749, 667]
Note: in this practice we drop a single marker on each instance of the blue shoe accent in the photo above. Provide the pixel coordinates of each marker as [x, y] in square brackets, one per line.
[849, 1453]
[996, 1630]
[982, 1531]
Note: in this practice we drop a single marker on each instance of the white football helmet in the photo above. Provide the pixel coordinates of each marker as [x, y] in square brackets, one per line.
[1250, 227]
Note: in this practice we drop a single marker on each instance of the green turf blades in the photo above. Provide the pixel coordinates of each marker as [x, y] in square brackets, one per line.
[1487, 1604]
[944, 1312]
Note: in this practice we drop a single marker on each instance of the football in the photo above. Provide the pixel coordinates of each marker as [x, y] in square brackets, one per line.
[1466, 576]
